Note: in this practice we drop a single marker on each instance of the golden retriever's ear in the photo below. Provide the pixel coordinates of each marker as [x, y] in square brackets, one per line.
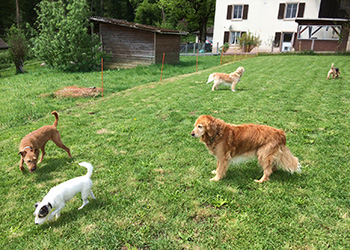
[210, 126]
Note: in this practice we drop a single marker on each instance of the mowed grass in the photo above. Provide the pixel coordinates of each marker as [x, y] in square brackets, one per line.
[151, 179]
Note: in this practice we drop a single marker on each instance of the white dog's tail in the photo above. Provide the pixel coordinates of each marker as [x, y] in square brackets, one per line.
[287, 161]
[211, 78]
[88, 166]
[332, 66]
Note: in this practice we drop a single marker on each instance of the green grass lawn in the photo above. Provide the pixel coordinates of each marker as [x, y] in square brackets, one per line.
[151, 178]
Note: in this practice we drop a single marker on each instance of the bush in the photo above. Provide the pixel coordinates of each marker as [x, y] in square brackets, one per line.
[18, 47]
[64, 41]
[248, 41]
[5, 59]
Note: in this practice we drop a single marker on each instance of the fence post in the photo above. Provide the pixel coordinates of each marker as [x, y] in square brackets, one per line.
[161, 72]
[102, 75]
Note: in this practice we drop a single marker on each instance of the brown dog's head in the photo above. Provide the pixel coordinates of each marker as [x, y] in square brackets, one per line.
[205, 125]
[30, 157]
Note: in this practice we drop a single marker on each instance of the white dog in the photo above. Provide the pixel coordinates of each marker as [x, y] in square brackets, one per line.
[63, 192]
[227, 79]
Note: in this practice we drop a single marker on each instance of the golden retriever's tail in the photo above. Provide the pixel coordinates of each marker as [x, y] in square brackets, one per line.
[211, 78]
[56, 118]
[332, 66]
[287, 161]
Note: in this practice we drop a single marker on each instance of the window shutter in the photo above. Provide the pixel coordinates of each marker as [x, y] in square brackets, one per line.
[226, 36]
[281, 10]
[245, 11]
[229, 12]
[301, 10]
[277, 39]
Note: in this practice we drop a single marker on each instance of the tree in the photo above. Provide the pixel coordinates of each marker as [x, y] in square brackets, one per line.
[196, 12]
[63, 41]
[18, 47]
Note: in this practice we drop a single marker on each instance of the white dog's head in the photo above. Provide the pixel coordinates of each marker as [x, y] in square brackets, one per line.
[240, 70]
[42, 210]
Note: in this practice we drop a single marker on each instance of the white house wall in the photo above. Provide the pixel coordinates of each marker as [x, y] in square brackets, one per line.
[262, 20]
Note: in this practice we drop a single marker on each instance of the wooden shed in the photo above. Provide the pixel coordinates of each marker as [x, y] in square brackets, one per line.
[132, 44]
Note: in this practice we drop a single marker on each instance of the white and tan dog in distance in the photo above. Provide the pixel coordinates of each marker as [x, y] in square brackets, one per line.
[56, 198]
[227, 79]
[237, 143]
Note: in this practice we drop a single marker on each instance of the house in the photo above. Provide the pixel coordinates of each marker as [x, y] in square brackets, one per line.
[132, 44]
[3, 45]
[282, 25]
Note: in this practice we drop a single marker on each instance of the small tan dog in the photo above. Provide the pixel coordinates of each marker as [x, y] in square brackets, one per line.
[31, 143]
[333, 71]
[227, 79]
[238, 143]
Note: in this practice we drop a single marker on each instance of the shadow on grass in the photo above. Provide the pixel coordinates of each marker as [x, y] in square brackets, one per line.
[50, 165]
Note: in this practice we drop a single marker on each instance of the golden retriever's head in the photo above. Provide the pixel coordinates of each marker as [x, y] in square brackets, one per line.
[205, 125]
[240, 70]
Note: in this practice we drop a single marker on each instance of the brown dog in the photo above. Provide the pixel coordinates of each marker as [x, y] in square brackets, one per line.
[31, 143]
[227, 79]
[333, 71]
[237, 143]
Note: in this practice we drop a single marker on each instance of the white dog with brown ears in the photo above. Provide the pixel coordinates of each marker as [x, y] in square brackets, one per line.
[58, 195]
[227, 79]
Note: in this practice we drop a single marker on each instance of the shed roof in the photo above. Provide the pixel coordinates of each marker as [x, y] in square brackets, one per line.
[138, 26]
[3, 45]
[321, 21]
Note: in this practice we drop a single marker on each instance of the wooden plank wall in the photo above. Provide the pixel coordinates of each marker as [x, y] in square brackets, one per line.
[129, 47]
[170, 44]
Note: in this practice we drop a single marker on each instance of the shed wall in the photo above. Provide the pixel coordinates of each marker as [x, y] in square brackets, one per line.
[128, 47]
[170, 45]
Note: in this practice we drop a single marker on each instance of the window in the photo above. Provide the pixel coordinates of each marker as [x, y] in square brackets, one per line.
[235, 35]
[237, 11]
[291, 10]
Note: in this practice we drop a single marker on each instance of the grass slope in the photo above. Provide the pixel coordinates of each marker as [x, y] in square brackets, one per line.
[151, 179]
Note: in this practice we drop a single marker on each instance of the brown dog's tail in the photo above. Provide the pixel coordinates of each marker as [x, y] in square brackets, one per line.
[287, 161]
[56, 116]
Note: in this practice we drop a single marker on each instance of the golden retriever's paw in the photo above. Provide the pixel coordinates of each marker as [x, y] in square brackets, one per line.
[213, 172]
[215, 179]
[260, 181]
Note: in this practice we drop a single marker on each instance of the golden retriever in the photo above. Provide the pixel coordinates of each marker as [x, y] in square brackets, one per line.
[237, 143]
[333, 71]
[227, 79]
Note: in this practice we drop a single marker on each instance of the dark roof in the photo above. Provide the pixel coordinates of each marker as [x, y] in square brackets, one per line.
[3, 45]
[144, 27]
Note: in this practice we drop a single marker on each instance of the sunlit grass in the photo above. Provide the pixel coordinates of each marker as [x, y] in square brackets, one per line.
[151, 179]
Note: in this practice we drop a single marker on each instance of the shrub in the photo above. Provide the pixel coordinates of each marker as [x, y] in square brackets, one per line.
[248, 41]
[63, 41]
[18, 47]
[5, 59]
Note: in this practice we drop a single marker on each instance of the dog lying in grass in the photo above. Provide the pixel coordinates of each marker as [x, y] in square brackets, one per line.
[31, 143]
[57, 196]
[227, 79]
[237, 143]
[333, 71]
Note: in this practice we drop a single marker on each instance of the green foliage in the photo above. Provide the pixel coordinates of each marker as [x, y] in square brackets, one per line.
[248, 41]
[148, 12]
[224, 47]
[18, 47]
[64, 41]
[5, 59]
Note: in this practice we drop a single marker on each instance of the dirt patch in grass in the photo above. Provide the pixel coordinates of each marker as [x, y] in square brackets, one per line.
[74, 91]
